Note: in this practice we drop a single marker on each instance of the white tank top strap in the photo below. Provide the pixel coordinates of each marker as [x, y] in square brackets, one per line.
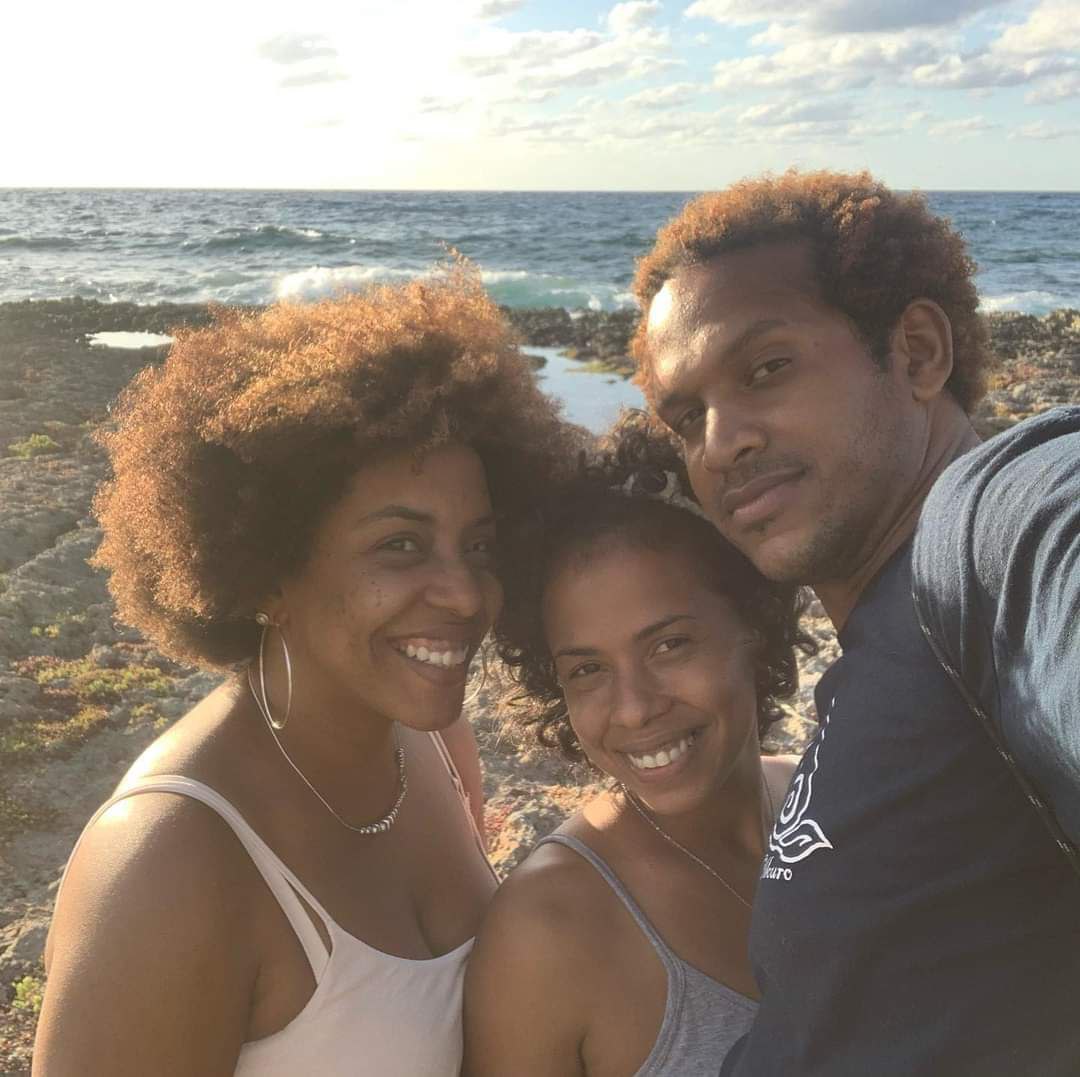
[283, 884]
[466, 800]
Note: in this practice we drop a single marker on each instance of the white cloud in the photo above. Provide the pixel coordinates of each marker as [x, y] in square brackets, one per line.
[841, 16]
[958, 129]
[590, 74]
[494, 9]
[833, 63]
[823, 66]
[777, 114]
[632, 15]
[1054, 90]
[670, 96]
[440, 104]
[986, 69]
[875, 16]
[311, 78]
[295, 48]
[1043, 131]
[558, 129]
[737, 12]
[877, 129]
[526, 97]
[1054, 27]
[552, 61]
[530, 48]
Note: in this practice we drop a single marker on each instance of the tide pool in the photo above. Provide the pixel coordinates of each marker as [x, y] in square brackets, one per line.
[590, 399]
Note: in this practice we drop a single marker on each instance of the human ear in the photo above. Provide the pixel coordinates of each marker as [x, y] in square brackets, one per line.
[922, 346]
[273, 607]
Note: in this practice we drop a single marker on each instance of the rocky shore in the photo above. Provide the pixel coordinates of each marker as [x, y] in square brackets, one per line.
[80, 697]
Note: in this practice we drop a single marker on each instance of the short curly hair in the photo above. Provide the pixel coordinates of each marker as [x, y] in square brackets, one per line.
[226, 458]
[613, 495]
[875, 251]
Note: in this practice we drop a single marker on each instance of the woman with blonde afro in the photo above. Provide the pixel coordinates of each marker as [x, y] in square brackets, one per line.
[289, 880]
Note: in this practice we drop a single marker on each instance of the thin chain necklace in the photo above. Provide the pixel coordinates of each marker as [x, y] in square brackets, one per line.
[380, 826]
[693, 856]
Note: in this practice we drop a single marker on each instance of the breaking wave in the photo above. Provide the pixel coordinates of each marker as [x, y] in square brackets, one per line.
[510, 287]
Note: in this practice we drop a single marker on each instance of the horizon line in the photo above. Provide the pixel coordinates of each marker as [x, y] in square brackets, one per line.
[498, 190]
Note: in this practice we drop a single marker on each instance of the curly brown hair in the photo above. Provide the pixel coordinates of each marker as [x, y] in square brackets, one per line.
[614, 495]
[226, 458]
[875, 251]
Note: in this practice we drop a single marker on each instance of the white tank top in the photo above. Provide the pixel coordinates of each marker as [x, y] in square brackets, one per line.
[371, 1014]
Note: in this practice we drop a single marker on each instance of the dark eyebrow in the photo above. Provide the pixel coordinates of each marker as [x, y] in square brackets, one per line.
[403, 512]
[648, 630]
[659, 626]
[397, 512]
[745, 338]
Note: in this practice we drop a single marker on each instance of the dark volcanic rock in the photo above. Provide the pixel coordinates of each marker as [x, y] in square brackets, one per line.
[1038, 368]
[74, 318]
[585, 334]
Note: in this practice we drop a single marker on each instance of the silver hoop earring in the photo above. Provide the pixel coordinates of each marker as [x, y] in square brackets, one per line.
[475, 693]
[262, 698]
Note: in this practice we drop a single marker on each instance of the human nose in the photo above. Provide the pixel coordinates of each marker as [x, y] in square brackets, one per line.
[455, 587]
[637, 698]
[731, 436]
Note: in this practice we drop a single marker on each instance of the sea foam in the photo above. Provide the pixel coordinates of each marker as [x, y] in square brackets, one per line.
[321, 282]
[512, 287]
[1031, 302]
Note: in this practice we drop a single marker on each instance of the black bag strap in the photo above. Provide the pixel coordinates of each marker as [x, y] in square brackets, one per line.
[1045, 812]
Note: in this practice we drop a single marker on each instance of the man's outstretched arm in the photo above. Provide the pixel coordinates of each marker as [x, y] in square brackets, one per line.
[996, 571]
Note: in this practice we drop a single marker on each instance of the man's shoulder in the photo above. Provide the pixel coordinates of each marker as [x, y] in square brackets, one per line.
[1010, 492]
[1053, 435]
[1003, 487]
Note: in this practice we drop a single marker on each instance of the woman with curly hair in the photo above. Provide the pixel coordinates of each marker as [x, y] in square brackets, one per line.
[289, 880]
[642, 642]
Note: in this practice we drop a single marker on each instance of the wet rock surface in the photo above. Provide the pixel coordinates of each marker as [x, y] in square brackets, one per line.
[80, 697]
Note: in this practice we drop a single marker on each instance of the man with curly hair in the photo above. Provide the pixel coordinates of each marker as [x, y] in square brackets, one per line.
[813, 341]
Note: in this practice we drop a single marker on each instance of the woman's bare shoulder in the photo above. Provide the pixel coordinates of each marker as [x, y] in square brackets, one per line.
[549, 918]
[553, 908]
[156, 850]
[159, 891]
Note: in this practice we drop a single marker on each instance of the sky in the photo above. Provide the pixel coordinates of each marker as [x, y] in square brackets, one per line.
[538, 94]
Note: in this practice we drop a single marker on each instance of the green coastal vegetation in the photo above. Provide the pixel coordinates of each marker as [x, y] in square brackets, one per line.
[28, 994]
[84, 695]
[34, 445]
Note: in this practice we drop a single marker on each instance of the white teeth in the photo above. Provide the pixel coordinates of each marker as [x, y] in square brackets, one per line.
[665, 757]
[443, 659]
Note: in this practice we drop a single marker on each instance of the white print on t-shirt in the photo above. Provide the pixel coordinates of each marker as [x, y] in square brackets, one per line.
[795, 835]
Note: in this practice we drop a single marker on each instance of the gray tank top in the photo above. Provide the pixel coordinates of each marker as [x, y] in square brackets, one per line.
[702, 1018]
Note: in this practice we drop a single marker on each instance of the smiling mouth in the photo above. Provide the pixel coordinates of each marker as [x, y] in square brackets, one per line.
[441, 654]
[666, 755]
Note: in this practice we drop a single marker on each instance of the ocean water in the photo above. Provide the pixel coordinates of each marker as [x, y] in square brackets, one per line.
[592, 400]
[535, 249]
